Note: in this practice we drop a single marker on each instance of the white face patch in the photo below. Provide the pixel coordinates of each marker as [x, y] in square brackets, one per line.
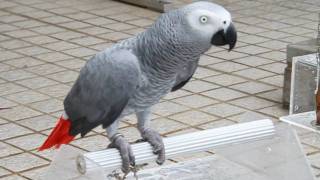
[207, 23]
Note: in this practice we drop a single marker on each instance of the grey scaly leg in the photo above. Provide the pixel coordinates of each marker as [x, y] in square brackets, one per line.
[151, 135]
[120, 143]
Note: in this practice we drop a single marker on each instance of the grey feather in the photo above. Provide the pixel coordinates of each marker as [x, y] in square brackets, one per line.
[185, 75]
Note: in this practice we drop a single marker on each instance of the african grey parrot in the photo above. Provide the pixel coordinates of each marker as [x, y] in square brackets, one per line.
[136, 73]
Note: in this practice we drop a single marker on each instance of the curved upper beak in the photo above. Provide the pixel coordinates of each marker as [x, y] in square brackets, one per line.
[223, 37]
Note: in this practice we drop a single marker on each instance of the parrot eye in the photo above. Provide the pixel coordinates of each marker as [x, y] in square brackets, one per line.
[203, 19]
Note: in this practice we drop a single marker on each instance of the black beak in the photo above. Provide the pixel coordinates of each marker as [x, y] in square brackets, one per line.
[222, 38]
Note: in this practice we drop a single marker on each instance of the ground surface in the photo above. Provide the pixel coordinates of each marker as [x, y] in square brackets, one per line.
[44, 43]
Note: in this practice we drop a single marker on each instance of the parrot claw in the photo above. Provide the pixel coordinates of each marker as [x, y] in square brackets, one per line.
[156, 142]
[128, 159]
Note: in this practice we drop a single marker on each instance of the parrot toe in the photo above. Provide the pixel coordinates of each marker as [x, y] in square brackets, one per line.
[156, 142]
[126, 152]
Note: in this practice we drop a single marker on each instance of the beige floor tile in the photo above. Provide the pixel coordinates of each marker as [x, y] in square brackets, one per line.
[168, 108]
[24, 62]
[61, 45]
[228, 55]
[32, 51]
[193, 117]
[7, 28]
[80, 52]
[67, 35]
[95, 30]
[10, 88]
[207, 60]
[164, 126]
[249, 116]
[20, 33]
[274, 55]
[274, 67]
[100, 21]
[11, 130]
[45, 69]
[59, 90]
[253, 73]
[39, 173]
[37, 82]
[225, 79]
[6, 55]
[14, 177]
[252, 39]
[7, 150]
[64, 77]
[48, 106]
[275, 95]
[18, 112]
[274, 80]
[176, 94]
[252, 87]
[224, 94]
[204, 72]
[53, 57]
[195, 101]
[28, 24]
[228, 66]
[75, 25]
[115, 36]
[71, 63]
[56, 19]
[252, 50]
[28, 142]
[4, 67]
[39, 123]
[27, 97]
[119, 26]
[275, 111]
[199, 86]
[217, 124]
[14, 44]
[22, 162]
[4, 172]
[253, 61]
[92, 143]
[5, 103]
[141, 22]
[252, 103]
[16, 75]
[223, 110]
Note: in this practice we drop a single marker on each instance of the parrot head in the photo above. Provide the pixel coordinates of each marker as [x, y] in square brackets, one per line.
[209, 23]
[197, 26]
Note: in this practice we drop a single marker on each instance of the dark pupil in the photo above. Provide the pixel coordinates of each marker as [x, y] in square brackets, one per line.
[224, 22]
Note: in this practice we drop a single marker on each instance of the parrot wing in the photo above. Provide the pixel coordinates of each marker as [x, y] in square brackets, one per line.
[102, 90]
[185, 75]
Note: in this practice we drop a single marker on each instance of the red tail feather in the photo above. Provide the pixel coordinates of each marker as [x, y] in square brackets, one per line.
[59, 135]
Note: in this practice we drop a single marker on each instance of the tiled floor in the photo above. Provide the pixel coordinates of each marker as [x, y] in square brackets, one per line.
[44, 43]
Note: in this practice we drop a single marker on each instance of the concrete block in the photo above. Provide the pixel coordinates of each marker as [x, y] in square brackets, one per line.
[302, 98]
[296, 49]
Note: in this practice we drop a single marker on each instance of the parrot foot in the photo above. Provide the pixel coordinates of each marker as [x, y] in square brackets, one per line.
[156, 142]
[128, 159]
